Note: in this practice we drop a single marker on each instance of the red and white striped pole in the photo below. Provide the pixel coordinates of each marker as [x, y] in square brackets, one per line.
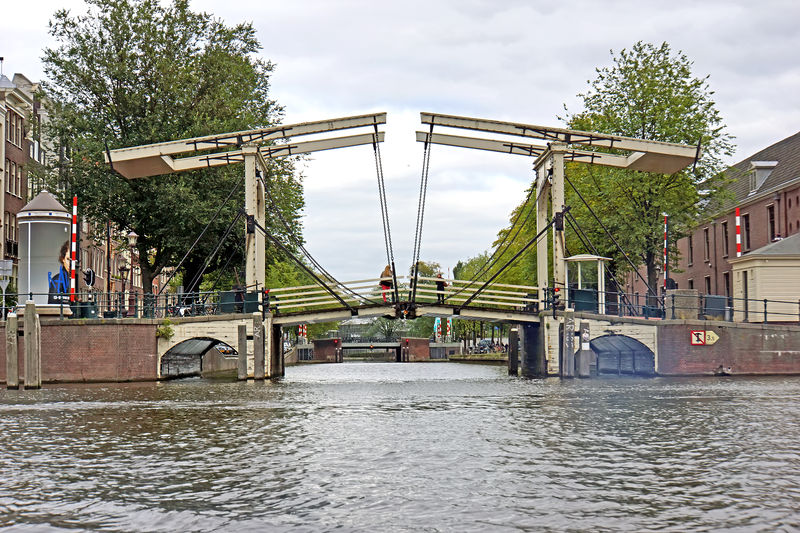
[74, 248]
[738, 234]
[666, 264]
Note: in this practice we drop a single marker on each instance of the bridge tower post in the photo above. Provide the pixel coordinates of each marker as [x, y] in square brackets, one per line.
[254, 205]
[549, 169]
[557, 205]
[542, 198]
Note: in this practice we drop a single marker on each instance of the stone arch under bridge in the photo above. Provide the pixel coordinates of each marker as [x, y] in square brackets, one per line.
[194, 336]
[197, 356]
[642, 331]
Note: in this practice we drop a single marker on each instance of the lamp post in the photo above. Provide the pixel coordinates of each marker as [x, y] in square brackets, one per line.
[6, 268]
[123, 271]
[132, 237]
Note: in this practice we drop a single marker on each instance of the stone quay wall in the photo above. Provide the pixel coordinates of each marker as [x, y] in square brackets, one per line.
[93, 351]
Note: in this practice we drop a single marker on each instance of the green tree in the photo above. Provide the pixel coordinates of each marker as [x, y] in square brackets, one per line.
[648, 92]
[386, 328]
[133, 72]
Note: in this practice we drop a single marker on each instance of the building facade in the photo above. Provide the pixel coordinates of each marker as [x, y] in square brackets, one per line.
[16, 110]
[22, 143]
[765, 188]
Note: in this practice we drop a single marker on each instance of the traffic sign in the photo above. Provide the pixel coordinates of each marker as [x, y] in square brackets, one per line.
[711, 337]
[697, 337]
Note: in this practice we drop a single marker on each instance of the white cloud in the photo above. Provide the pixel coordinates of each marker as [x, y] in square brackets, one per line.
[508, 60]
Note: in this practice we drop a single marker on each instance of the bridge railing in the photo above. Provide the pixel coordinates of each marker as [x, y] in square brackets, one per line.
[700, 306]
[495, 295]
[118, 304]
[313, 297]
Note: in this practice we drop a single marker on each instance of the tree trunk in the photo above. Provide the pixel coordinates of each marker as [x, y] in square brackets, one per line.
[147, 277]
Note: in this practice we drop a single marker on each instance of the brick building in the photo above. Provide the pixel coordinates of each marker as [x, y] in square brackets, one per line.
[766, 189]
[22, 117]
[16, 110]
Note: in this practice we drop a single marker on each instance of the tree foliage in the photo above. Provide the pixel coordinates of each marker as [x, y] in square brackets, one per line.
[133, 72]
[648, 92]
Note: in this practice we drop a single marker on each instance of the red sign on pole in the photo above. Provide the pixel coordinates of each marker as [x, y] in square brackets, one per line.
[698, 337]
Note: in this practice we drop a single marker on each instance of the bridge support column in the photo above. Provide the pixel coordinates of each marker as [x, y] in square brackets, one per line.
[513, 351]
[567, 346]
[12, 357]
[33, 347]
[584, 357]
[254, 204]
[275, 367]
[241, 366]
[534, 364]
[259, 369]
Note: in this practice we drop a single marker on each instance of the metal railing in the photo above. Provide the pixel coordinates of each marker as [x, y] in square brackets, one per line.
[701, 306]
[137, 305]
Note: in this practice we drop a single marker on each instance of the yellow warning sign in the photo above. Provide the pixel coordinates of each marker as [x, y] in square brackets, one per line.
[711, 337]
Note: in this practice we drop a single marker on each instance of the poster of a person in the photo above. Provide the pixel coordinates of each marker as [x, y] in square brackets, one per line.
[58, 285]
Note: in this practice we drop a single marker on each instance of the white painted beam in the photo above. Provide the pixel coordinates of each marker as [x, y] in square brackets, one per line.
[269, 152]
[146, 160]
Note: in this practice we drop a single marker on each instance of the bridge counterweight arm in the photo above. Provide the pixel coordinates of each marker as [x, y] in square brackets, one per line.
[155, 159]
[648, 156]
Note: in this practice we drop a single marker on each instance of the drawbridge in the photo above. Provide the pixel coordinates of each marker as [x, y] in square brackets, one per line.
[481, 298]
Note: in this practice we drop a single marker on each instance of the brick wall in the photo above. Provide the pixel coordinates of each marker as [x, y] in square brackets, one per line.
[325, 349]
[102, 352]
[744, 348]
[419, 349]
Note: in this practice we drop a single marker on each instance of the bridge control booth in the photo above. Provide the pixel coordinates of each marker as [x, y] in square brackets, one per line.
[586, 283]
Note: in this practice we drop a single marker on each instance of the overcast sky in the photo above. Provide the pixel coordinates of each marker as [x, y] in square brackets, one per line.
[519, 61]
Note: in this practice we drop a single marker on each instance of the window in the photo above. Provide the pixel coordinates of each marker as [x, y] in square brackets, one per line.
[11, 227]
[706, 245]
[14, 133]
[13, 180]
[725, 239]
[746, 231]
[708, 284]
[745, 289]
[726, 277]
[771, 223]
[691, 251]
[7, 170]
[691, 284]
[18, 184]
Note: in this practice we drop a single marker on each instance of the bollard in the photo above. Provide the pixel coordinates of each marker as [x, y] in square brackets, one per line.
[259, 370]
[12, 354]
[241, 368]
[33, 347]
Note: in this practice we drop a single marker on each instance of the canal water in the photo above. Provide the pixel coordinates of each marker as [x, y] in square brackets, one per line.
[403, 447]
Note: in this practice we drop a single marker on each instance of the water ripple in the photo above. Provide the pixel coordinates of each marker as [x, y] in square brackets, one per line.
[411, 447]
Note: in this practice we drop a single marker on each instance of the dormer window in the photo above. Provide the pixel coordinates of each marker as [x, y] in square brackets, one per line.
[759, 172]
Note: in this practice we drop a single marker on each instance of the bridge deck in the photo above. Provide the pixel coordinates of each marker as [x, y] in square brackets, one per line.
[364, 298]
